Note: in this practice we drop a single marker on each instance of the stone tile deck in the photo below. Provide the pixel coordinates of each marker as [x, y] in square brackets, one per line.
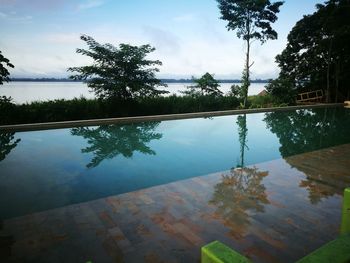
[276, 211]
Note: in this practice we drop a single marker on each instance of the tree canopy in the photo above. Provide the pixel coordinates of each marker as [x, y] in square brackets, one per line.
[251, 19]
[317, 55]
[205, 85]
[4, 73]
[121, 72]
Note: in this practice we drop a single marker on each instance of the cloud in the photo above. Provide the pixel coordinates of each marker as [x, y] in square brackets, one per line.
[35, 4]
[13, 17]
[3, 15]
[90, 4]
[185, 18]
[63, 38]
[164, 41]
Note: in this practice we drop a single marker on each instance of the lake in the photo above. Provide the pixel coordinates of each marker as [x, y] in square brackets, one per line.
[22, 91]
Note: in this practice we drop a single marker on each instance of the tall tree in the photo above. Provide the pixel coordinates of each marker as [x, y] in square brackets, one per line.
[4, 73]
[119, 72]
[252, 20]
[317, 55]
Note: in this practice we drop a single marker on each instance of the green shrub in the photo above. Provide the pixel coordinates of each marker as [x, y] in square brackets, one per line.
[81, 108]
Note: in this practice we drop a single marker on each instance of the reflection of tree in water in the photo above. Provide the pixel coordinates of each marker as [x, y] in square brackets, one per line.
[240, 192]
[305, 131]
[7, 144]
[109, 141]
[242, 134]
[309, 130]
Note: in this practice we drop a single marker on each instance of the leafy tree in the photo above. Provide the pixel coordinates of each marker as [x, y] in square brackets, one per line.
[317, 55]
[119, 72]
[4, 73]
[109, 141]
[282, 90]
[252, 21]
[206, 85]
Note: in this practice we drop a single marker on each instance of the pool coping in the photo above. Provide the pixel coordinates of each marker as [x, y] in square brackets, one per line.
[125, 120]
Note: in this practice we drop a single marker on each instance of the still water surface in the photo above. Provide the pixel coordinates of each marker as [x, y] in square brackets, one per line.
[41, 170]
[22, 92]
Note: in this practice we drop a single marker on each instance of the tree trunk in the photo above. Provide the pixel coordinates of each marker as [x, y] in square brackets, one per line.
[336, 81]
[328, 72]
[247, 74]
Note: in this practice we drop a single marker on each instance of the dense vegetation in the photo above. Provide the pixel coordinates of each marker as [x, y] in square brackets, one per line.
[317, 55]
[76, 109]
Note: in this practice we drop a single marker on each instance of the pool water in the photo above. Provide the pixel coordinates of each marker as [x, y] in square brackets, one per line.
[42, 170]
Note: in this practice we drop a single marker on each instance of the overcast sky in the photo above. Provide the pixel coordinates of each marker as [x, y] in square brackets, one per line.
[40, 36]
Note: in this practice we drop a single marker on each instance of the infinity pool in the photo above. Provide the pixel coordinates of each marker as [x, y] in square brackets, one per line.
[41, 170]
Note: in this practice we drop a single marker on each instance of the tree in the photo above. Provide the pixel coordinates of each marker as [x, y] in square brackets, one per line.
[317, 55]
[4, 73]
[207, 85]
[119, 72]
[252, 21]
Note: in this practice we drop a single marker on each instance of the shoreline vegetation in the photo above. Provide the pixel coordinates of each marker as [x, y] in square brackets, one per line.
[162, 80]
[84, 109]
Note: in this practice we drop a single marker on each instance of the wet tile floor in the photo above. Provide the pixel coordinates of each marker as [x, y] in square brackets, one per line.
[276, 211]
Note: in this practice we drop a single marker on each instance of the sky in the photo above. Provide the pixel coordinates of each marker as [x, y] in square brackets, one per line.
[40, 36]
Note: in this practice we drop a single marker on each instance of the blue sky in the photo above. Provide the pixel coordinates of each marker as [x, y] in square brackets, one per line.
[40, 36]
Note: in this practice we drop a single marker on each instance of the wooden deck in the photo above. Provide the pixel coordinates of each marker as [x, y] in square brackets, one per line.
[276, 211]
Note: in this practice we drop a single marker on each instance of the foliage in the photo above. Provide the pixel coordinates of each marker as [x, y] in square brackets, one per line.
[109, 141]
[265, 101]
[119, 72]
[4, 73]
[252, 21]
[317, 55]
[207, 85]
[282, 90]
[81, 109]
[6, 108]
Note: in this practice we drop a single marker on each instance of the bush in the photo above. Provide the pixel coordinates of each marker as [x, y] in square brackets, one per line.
[82, 109]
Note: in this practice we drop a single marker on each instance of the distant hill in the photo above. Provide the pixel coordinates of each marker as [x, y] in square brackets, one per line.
[163, 80]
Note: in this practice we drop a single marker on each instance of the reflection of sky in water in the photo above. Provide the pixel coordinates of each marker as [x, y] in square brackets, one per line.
[48, 169]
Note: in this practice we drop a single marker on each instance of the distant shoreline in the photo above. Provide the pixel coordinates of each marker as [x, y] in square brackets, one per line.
[163, 80]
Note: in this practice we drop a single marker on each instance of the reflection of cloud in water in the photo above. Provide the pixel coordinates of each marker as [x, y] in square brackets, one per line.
[184, 141]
